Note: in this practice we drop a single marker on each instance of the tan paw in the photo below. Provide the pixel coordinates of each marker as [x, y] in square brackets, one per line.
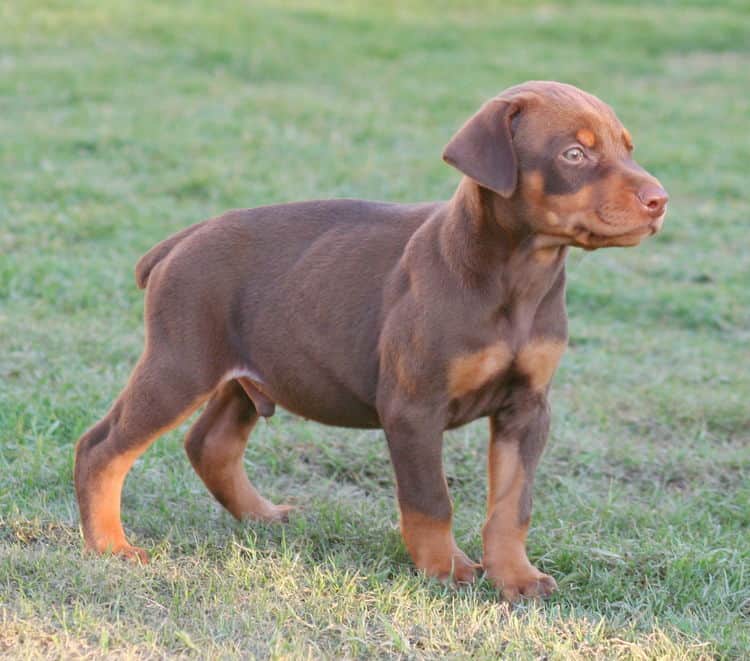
[464, 569]
[268, 512]
[124, 551]
[280, 513]
[529, 583]
[133, 554]
[456, 567]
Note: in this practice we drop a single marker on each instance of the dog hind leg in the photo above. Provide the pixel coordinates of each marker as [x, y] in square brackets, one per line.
[158, 397]
[216, 444]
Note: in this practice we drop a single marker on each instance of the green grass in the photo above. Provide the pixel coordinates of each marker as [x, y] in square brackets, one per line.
[121, 122]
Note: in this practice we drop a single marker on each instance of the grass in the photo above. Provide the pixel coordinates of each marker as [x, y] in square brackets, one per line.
[121, 122]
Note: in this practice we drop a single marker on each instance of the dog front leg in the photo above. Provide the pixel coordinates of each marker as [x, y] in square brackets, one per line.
[512, 459]
[426, 509]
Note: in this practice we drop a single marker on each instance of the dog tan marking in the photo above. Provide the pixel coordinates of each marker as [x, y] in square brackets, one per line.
[471, 371]
[504, 534]
[508, 566]
[533, 190]
[547, 254]
[627, 139]
[586, 137]
[561, 213]
[105, 511]
[225, 475]
[504, 471]
[405, 375]
[564, 205]
[538, 360]
[102, 524]
[431, 545]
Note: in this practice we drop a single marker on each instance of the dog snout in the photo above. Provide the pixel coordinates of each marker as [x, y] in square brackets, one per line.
[654, 199]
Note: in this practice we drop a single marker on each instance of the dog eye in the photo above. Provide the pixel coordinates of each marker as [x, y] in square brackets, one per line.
[574, 155]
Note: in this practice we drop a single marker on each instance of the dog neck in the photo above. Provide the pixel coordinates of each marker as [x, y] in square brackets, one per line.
[483, 241]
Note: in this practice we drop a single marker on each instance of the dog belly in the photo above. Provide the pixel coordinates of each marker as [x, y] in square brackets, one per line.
[324, 403]
[323, 372]
[344, 414]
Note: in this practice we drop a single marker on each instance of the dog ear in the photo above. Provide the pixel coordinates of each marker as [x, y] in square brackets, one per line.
[483, 147]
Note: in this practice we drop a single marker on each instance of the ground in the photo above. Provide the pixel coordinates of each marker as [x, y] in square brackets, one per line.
[123, 121]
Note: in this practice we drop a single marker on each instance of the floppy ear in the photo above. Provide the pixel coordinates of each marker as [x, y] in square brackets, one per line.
[483, 147]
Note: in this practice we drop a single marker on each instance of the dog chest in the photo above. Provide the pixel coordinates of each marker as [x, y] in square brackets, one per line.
[535, 362]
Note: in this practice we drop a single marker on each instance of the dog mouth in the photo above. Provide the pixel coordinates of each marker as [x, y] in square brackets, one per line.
[601, 232]
[591, 240]
[615, 234]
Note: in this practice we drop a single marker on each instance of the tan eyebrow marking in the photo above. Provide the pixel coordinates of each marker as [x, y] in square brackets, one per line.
[586, 137]
[628, 140]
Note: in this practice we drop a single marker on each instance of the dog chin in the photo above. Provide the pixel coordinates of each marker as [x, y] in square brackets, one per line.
[591, 241]
[604, 234]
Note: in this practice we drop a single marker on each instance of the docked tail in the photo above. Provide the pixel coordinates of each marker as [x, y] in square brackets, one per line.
[147, 263]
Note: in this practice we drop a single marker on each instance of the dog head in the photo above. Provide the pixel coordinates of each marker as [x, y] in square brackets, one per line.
[564, 163]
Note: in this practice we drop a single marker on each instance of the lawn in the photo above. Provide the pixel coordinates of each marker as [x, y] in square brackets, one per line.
[123, 121]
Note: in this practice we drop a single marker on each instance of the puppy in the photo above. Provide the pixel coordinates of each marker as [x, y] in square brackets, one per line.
[413, 318]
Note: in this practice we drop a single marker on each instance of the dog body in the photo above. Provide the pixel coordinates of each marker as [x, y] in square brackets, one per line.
[353, 259]
[414, 318]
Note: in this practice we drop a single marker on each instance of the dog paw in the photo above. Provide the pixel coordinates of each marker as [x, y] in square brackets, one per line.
[464, 569]
[280, 513]
[267, 512]
[123, 551]
[133, 554]
[456, 568]
[529, 585]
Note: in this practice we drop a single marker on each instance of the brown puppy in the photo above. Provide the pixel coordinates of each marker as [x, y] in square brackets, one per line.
[414, 318]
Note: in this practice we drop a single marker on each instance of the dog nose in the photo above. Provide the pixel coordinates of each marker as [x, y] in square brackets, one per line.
[654, 199]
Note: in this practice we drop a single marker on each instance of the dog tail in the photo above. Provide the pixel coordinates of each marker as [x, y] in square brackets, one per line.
[147, 263]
